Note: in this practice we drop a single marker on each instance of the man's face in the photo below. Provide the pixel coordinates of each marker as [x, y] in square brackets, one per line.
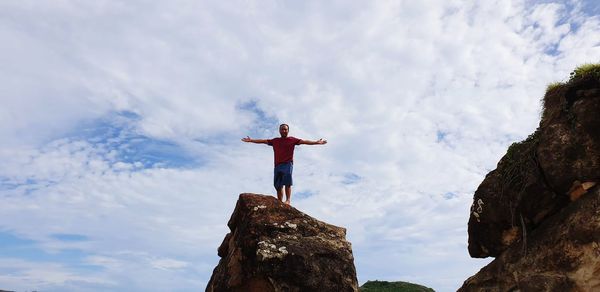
[283, 131]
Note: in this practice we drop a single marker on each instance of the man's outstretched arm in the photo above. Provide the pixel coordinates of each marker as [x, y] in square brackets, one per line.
[257, 141]
[309, 142]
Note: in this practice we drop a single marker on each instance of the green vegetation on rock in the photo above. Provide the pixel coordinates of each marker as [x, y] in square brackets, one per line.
[553, 86]
[588, 69]
[584, 70]
[384, 286]
[519, 160]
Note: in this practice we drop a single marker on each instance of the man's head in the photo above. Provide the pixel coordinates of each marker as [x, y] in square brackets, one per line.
[284, 129]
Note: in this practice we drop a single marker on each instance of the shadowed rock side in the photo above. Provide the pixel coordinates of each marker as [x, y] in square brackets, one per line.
[538, 212]
[275, 247]
[533, 180]
[562, 254]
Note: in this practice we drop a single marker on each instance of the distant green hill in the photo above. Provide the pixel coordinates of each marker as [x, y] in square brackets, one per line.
[384, 286]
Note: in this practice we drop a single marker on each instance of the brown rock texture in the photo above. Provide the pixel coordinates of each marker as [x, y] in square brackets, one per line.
[538, 212]
[533, 180]
[562, 254]
[275, 247]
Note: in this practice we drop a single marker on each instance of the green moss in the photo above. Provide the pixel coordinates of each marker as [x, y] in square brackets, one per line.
[384, 286]
[589, 69]
[553, 85]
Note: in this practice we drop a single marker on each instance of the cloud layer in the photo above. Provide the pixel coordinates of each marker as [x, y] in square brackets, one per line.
[121, 126]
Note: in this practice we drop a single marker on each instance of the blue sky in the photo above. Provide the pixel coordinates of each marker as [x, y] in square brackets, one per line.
[121, 122]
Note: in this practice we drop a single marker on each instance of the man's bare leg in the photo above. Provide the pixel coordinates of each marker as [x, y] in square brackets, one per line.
[280, 194]
[288, 194]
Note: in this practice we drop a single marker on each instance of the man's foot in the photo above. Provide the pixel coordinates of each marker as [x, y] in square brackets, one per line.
[287, 202]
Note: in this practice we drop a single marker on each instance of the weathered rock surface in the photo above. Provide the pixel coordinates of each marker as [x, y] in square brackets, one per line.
[538, 212]
[275, 247]
[562, 254]
[532, 181]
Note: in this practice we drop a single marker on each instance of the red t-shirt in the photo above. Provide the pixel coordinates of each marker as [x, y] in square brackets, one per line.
[283, 149]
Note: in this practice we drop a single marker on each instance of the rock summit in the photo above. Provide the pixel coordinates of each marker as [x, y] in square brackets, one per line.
[275, 247]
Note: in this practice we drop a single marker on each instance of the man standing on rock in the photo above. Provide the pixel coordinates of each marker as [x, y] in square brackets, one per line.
[283, 147]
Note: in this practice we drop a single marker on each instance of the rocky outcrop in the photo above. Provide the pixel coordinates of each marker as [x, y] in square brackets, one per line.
[533, 180]
[563, 254]
[275, 247]
[538, 212]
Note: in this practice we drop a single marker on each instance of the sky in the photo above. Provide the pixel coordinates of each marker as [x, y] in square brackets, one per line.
[121, 122]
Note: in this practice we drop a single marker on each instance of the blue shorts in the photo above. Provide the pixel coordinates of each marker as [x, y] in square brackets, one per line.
[282, 175]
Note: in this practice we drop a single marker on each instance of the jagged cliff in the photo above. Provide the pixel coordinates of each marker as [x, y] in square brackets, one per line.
[538, 212]
[275, 247]
[562, 254]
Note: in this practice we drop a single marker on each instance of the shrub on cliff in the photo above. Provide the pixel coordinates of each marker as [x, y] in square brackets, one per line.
[585, 70]
[588, 69]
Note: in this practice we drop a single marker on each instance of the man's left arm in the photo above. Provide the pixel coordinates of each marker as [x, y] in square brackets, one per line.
[309, 142]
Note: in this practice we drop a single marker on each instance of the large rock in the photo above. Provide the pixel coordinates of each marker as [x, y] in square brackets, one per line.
[562, 254]
[275, 247]
[532, 181]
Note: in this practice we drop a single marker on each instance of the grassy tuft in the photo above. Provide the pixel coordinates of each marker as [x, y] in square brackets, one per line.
[554, 85]
[589, 69]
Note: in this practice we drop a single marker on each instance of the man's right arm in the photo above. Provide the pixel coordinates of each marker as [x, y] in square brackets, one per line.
[257, 141]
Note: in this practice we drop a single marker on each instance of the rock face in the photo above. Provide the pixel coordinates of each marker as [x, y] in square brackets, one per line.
[532, 181]
[275, 247]
[562, 254]
[538, 212]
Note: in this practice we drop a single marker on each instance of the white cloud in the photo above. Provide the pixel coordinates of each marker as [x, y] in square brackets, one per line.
[167, 264]
[417, 99]
[24, 275]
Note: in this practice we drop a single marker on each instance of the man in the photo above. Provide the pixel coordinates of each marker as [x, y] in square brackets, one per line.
[283, 148]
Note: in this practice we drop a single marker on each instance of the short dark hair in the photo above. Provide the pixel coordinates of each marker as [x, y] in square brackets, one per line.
[284, 125]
